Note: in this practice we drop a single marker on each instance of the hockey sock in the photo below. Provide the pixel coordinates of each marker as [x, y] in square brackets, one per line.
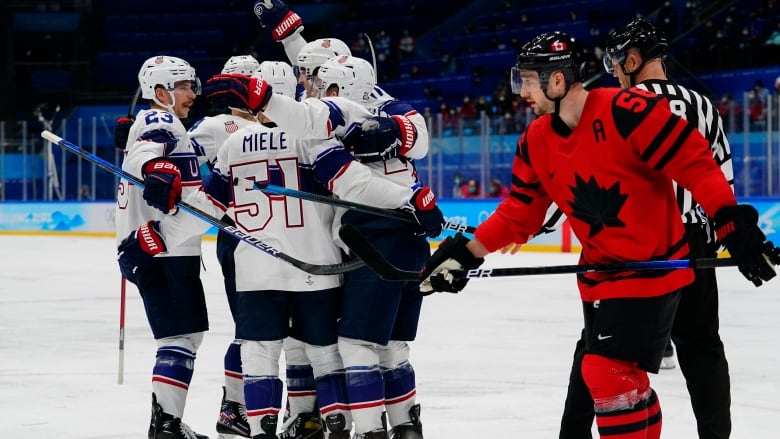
[365, 387]
[400, 393]
[625, 405]
[171, 378]
[263, 397]
[234, 383]
[301, 389]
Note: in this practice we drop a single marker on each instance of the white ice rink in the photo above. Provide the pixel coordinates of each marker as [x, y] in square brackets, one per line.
[491, 362]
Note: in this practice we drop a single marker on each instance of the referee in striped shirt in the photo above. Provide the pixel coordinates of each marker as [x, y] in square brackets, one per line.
[635, 56]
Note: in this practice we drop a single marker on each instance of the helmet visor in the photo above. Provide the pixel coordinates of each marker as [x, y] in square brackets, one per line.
[521, 78]
[613, 57]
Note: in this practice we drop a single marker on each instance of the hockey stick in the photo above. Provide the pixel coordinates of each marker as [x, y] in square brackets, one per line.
[121, 368]
[389, 213]
[387, 271]
[373, 55]
[329, 269]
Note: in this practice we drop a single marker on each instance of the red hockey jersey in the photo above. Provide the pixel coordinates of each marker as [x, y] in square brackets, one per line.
[612, 176]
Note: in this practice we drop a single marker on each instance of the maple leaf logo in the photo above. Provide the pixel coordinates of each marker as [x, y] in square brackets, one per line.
[596, 205]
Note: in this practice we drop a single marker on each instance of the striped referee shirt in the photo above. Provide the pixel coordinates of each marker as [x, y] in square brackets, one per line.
[699, 111]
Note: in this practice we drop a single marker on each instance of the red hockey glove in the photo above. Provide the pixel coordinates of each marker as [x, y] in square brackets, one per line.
[136, 251]
[427, 214]
[277, 14]
[238, 91]
[162, 185]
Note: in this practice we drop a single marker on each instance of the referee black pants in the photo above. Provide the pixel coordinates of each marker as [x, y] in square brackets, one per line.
[700, 355]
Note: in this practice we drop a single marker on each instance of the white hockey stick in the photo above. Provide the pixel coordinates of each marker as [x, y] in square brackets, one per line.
[122, 300]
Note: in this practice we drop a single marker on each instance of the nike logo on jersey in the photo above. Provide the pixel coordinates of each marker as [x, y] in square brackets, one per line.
[603, 337]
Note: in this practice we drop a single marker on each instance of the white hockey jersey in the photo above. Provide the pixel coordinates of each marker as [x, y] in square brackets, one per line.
[299, 228]
[208, 134]
[145, 142]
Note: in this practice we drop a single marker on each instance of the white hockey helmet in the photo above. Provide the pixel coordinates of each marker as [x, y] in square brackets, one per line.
[244, 64]
[354, 77]
[165, 71]
[279, 75]
[314, 53]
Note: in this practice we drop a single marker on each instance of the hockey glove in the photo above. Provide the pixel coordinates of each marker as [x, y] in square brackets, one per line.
[122, 132]
[136, 251]
[452, 254]
[277, 15]
[382, 138]
[422, 205]
[162, 185]
[737, 229]
[238, 91]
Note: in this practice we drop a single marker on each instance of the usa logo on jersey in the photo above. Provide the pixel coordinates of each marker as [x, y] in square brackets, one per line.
[231, 127]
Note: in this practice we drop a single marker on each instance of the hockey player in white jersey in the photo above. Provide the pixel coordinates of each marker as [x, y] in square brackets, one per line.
[301, 229]
[206, 136]
[373, 343]
[167, 276]
[286, 27]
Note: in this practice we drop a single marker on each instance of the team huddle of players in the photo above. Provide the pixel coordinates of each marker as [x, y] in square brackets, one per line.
[322, 125]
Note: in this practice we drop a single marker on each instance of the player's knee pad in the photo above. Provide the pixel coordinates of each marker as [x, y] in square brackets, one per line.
[190, 342]
[614, 384]
[393, 354]
[295, 352]
[356, 352]
[261, 358]
[324, 359]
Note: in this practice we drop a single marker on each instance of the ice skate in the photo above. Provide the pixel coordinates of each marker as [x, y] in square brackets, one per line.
[336, 427]
[303, 426]
[268, 425]
[411, 430]
[165, 426]
[232, 421]
[376, 434]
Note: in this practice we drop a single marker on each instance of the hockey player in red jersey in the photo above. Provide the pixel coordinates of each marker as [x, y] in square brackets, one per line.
[607, 158]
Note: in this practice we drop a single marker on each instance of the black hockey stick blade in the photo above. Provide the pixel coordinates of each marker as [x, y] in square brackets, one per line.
[328, 269]
[387, 271]
[248, 184]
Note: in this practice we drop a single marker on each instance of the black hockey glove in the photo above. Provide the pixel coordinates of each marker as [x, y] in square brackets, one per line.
[427, 214]
[238, 91]
[136, 251]
[122, 132]
[452, 254]
[277, 15]
[737, 229]
[382, 138]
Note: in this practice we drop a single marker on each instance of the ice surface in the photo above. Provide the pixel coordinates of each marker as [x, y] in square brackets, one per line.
[491, 362]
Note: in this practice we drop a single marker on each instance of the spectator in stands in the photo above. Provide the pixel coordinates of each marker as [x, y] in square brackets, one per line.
[470, 189]
[406, 45]
[756, 110]
[457, 183]
[468, 111]
[762, 92]
[729, 110]
[777, 86]
[774, 38]
[497, 189]
[449, 65]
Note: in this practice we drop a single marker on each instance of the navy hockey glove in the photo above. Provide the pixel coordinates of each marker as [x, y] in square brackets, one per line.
[452, 254]
[423, 207]
[737, 229]
[162, 185]
[136, 251]
[276, 14]
[122, 132]
[238, 91]
[382, 138]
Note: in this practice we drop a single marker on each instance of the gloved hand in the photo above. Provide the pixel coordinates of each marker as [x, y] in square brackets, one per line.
[423, 206]
[276, 14]
[162, 184]
[136, 251]
[382, 138]
[238, 91]
[737, 229]
[452, 254]
[122, 132]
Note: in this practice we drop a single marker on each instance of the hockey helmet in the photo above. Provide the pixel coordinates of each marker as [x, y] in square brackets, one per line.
[354, 77]
[548, 53]
[641, 34]
[165, 71]
[279, 75]
[314, 53]
[244, 64]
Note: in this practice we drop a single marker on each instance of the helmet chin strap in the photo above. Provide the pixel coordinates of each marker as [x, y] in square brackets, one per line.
[169, 108]
[632, 75]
